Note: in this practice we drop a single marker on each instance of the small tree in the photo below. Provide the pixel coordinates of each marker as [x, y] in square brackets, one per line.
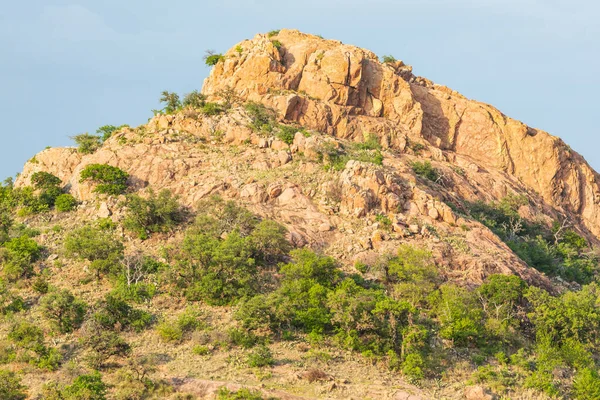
[86, 143]
[87, 387]
[95, 245]
[194, 99]
[389, 59]
[108, 179]
[157, 213]
[65, 202]
[64, 310]
[171, 100]
[212, 58]
[18, 258]
[107, 131]
[44, 180]
[11, 387]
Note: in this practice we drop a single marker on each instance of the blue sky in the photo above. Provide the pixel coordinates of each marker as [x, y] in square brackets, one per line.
[68, 67]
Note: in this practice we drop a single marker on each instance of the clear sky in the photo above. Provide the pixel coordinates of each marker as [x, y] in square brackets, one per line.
[68, 67]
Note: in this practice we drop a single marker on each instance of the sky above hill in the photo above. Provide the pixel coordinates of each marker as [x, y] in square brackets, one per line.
[68, 67]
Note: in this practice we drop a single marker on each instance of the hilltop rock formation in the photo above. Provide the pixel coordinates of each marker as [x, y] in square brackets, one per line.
[347, 92]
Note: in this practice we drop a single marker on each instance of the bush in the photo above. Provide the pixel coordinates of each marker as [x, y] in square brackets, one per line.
[157, 213]
[425, 170]
[260, 357]
[11, 387]
[262, 118]
[210, 109]
[95, 245]
[573, 315]
[19, 255]
[88, 387]
[108, 179]
[212, 59]
[287, 133]
[86, 143]
[222, 252]
[64, 310]
[30, 339]
[460, 315]
[65, 202]
[9, 301]
[194, 99]
[103, 345]
[107, 131]
[114, 313]
[242, 394]
[586, 385]
[172, 102]
[44, 180]
[388, 59]
[277, 44]
[175, 331]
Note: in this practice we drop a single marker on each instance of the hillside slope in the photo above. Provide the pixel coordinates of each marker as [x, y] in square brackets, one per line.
[429, 205]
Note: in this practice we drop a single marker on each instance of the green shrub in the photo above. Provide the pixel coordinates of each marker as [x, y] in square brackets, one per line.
[64, 310]
[88, 387]
[287, 133]
[30, 340]
[200, 350]
[95, 245]
[573, 315]
[103, 345]
[86, 143]
[260, 357]
[262, 118]
[171, 101]
[113, 313]
[242, 394]
[371, 142]
[239, 337]
[425, 170]
[273, 33]
[220, 258]
[174, 331]
[210, 109]
[212, 59]
[277, 44]
[44, 180]
[157, 213]
[65, 202]
[108, 179]
[169, 332]
[413, 367]
[460, 315]
[106, 131]
[268, 239]
[19, 255]
[586, 385]
[388, 59]
[11, 387]
[194, 99]
[10, 302]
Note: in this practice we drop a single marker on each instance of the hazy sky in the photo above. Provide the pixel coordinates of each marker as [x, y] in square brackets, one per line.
[68, 67]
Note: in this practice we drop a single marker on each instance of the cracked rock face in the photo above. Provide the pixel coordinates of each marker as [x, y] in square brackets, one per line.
[345, 91]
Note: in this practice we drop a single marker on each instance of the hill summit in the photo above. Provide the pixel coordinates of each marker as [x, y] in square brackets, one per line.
[343, 206]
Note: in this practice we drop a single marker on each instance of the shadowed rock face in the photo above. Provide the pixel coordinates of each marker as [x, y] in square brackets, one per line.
[345, 91]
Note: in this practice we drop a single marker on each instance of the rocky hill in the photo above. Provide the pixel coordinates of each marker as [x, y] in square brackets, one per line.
[356, 159]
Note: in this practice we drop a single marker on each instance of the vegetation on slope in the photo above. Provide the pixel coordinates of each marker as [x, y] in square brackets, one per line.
[399, 312]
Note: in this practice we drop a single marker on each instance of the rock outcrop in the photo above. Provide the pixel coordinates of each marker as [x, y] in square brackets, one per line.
[347, 92]
[344, 94]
